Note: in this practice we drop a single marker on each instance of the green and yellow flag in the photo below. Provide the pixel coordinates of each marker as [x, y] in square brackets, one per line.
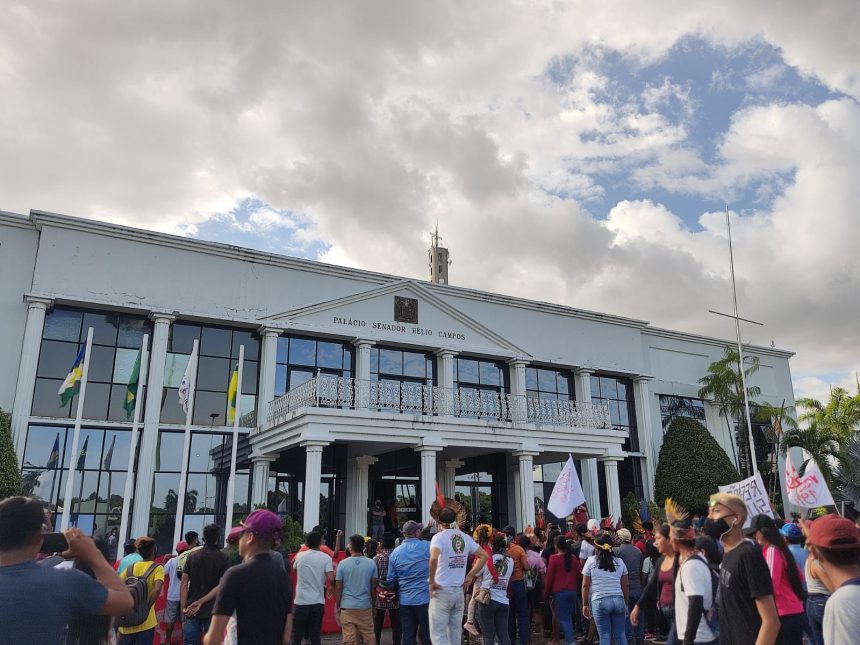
[131, 392]
[232, 394]
[72, 384]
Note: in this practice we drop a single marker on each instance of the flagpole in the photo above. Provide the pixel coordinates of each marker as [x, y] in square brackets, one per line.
[186, 446]
[76, 436]
[231, 483]
[132, 449]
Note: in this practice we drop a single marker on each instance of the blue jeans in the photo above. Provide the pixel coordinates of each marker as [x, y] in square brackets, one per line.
[412, 619]
[193, 630]
[493, 619]
[519, 613]
[632, 631]
[140, 638]
[565, 604]
[669, 614]
[610, 614]
[815, 616]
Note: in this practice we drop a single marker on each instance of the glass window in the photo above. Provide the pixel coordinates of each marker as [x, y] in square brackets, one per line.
[56, 359]
[215, 342]
[680, 406]
[182, 337]
[390, 362]
[283, 349]
[171, 410]
[467, 371]
[302, 352]
[104, 328]
[531, 378]
[101, 365]
[414, 364]
[250, 341]
[63, 324]
[616, 393]
[206, 404]
[201, 493]
[164, 490]
[46, 401]
[547, 380]
[297, 377]
[96, 401]
[40, 446]
[131, 331]
[210, 451]
[490, 374]
[213, 373]
[280, 380]
[174, 369]
[124, 365]
[329, 355]
[168, 455]
[117, 443]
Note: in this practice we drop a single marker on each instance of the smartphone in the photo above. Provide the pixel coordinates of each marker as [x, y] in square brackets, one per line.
[54, 543]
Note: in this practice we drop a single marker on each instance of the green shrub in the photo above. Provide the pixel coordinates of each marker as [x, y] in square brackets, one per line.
[10, 473]
[629, 509]
[691, 466]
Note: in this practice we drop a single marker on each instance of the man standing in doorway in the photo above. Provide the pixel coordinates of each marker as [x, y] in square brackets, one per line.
[314, 571]
[201, 575]
[747, 608]
[409, 569]
[449, 552]
[355, 587]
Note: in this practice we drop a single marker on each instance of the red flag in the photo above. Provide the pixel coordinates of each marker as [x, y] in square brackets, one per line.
[439, 496]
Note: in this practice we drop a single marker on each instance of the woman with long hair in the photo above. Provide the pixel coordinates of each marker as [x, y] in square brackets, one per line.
[605, 592]
[659, 592]
[787, 581]
[482, 535]
[493, 616]
[563, 582]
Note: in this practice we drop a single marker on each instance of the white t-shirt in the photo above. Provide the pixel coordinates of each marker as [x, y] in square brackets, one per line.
[505, 568]
[842, 616]
[311, 568]
[454, 547]
[586, 550]
[170, 575]
[604, 583]
[694, 579]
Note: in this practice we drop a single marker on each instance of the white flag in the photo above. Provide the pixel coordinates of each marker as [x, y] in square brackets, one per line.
[809, 491]
[567, 493]
[185, 384]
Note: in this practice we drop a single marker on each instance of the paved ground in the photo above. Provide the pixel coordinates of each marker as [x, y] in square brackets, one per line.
[332, 639]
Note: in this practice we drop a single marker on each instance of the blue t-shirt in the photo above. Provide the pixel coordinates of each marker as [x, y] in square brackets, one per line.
[356, 573]
[130, 559]
[38, 602]
[409, 566]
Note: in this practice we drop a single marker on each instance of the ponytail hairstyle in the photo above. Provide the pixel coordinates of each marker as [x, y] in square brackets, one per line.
[605, 557]
[563, 547]
[500, 544]
[775, 538]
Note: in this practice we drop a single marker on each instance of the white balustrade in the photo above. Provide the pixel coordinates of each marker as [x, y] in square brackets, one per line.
[328, 391]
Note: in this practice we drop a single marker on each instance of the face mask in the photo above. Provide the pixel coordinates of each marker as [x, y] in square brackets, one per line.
[717, 528]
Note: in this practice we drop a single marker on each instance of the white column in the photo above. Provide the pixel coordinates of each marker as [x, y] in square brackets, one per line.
[642, 402]
[357, 502]
[591, 485]
[268, 364]
[582, 385]
[445, 381]
[36, 309]
[527, 487]
[313, 474]
[613, 492]
[517, 518]
[260, 479]
[517, 369]
[152, 416]
[428, 479]
[449, 478]
[362, 372]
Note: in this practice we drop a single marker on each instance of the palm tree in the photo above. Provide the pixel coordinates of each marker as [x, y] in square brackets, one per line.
[781, 420]
[819, 442]
[723, 385]
[841, 413]
[846, 473]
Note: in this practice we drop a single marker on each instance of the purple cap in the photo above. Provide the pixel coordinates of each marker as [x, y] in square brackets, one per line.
[261, 522]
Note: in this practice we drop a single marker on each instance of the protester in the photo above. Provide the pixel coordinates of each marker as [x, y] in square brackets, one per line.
[786, 578]
[834, 543]
[355, 586]
[172, 610]
[386, 596]
[89, 629]
[200, 578]
[794, 536]
[449, 553]
[534, 579]
[660, 588]
[130, 556]
[586, 542]
[694, 588]
[818, 592]
[747, 609]
[323, 546]
[632, 558]
[482, 536]
[257, 592]
[409, 569]
[563, 584]
[650, 617]
[604, 592]
[153, 573]
[38, 602]
[314, 571]
[493, 616]
[518, 611]
[192, 539]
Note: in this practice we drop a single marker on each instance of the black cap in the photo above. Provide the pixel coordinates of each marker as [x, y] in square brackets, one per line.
[760, 522]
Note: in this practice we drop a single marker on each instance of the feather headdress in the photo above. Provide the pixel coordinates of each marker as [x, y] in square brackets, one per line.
[674, 512]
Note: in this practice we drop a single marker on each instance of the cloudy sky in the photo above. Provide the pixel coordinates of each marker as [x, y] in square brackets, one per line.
[575, 152]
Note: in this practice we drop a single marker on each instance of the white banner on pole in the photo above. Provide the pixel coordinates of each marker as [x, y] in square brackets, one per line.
[809, 491]
[567, 493]
[754, 494]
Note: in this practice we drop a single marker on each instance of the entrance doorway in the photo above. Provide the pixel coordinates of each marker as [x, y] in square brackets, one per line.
[475, 492]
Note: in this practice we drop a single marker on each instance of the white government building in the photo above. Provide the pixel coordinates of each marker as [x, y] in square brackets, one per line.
[358, 386]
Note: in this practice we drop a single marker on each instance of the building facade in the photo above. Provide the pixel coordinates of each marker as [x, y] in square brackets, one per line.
[358, 387]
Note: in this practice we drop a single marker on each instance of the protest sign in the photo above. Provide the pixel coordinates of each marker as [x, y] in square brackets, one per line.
[754, 494]
[809, 491]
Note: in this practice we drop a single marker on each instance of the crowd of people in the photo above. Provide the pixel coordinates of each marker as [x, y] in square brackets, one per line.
[725, 578]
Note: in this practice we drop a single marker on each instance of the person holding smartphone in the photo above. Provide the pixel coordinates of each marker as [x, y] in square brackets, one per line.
[38, 602]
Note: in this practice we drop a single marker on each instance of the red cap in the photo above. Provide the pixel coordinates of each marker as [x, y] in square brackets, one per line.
[181, 546]
[834, 532]
[570, 535]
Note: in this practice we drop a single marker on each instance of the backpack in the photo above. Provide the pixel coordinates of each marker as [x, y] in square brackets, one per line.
[712, 614]
[137, 587]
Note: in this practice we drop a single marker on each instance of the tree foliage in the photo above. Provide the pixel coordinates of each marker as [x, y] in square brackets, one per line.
[10, 474]
[691, 466]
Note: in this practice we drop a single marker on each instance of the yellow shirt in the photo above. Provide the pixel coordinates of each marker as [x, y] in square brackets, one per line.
[139, 569]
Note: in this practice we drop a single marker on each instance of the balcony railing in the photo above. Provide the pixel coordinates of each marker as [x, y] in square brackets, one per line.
[326, 391]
